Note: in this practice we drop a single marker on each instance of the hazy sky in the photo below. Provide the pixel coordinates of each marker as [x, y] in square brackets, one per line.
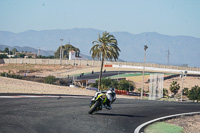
[171, 17]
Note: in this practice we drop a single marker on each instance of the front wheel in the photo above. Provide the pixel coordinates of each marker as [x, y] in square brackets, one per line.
[94, 107]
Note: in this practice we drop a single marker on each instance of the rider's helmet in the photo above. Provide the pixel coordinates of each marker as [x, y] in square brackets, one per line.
[112, 92]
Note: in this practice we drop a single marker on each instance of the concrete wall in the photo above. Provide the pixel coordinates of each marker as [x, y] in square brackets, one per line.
[91, 63]
[2, 61]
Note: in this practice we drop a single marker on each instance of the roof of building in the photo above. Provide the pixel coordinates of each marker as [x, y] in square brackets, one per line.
[72, 51]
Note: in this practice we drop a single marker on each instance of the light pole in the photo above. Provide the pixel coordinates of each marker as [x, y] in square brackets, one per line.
[183, 76]
[61, 51]
[142, 89]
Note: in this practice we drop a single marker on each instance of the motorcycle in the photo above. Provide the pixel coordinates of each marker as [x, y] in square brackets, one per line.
[98, 103]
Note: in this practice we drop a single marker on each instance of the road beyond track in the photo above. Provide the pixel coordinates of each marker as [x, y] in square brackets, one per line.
[62, 114]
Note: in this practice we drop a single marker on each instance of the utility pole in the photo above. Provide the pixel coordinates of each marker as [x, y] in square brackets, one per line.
[183, 76]
[142, 89]
[61, 52]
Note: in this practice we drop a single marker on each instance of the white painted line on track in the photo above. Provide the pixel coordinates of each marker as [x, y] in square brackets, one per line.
[36, 96]
[137, 130]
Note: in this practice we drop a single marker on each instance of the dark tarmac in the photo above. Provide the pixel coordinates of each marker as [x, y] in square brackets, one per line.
[70, 115]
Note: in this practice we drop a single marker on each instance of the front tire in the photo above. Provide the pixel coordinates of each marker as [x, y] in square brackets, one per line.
[94, 107]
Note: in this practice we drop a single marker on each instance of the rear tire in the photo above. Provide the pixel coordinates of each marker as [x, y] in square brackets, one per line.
[94, 107]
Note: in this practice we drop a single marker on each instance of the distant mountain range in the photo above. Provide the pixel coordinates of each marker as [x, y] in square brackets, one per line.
[28, 49]
[182, 49]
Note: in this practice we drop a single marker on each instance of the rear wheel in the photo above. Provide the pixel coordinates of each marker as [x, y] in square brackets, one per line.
[94, 107]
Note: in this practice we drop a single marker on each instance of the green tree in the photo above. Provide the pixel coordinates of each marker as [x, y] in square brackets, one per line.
[120, 85]
[21, 55]
[125, 85]
[14, 51]
[3, 56]
[114, 84]
[66, 48]
[105, 48]
[106, 83]
[194, 93]
[6, 50]
[174, 87]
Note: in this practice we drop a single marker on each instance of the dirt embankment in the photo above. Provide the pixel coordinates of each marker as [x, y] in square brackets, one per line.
[189, 123]
[8, 85]
[63, 71]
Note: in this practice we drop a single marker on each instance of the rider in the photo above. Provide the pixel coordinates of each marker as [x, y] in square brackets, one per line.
[111, 97]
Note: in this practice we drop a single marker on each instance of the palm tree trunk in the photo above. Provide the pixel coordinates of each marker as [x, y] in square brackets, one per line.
[100, 74]
[142, 89]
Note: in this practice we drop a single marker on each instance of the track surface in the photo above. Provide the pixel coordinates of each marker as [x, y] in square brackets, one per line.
[67, 114]
[106, 74]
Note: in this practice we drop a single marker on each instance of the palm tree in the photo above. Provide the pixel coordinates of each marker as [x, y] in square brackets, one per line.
[105, 48]
[145, 49]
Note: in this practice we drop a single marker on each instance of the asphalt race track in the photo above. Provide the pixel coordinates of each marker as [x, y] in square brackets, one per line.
[70, 115]
[106, 74]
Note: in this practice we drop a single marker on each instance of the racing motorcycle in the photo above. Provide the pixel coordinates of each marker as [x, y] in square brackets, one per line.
[98, 103]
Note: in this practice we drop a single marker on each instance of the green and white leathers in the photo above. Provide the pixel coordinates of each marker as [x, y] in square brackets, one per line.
[97, 104]
[102, 99]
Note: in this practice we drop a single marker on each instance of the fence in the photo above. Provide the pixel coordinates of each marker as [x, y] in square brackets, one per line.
[91, 63]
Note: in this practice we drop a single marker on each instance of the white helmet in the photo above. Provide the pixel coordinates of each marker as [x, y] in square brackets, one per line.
[111, 92]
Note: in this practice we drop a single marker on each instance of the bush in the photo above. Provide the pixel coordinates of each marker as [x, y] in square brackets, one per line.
[18, 77]
[105, 83]
[4, 74]
[125, 85]
[50, 79]
[194, 93]
[64, 82]
[120, 85]
[165, 92]
[139, 90]
[3, 56]
[174, 87]
[185, 91]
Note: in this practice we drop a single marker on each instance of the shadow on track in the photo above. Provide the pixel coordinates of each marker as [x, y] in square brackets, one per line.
[124, 115]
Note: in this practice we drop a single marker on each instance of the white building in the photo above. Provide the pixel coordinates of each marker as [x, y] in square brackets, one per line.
[72, 56]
